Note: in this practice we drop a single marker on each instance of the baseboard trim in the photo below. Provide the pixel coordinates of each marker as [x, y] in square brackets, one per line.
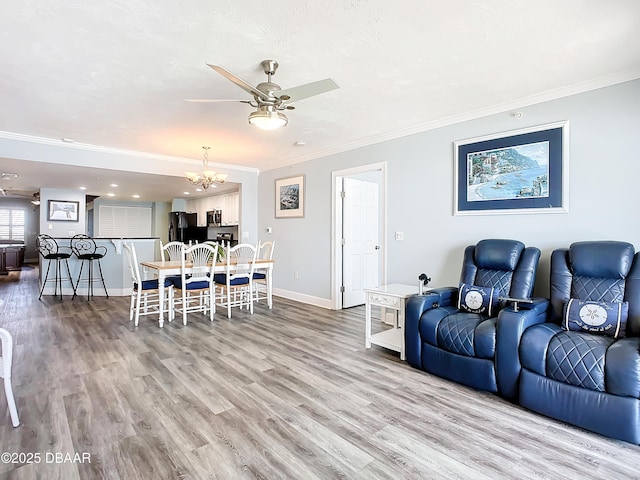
[98, 291]
[303, 298]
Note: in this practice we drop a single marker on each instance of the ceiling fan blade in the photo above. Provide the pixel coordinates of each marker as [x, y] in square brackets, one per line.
[307, 90]
[214, 100]
[239, 82]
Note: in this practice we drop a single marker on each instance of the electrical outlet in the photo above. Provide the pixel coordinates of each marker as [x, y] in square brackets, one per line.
[50, 226]
[296, 274]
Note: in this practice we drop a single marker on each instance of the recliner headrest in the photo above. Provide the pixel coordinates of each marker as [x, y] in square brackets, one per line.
[601, 259]
[498, 254]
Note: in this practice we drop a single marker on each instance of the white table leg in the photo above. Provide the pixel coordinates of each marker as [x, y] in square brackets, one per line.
[270, 286]
[161, 277]
[367, 324]
[400, 325]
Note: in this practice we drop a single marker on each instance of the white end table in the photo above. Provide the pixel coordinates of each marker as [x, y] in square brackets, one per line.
[391, 296]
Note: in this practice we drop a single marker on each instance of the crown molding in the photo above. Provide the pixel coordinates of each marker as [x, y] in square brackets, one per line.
[575, 89]
[117, 151]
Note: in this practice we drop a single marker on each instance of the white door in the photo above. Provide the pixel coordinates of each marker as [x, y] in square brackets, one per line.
[361, 246]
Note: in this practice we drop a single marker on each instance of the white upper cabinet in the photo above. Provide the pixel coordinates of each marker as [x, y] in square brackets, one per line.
[231, 209]
[229, 203]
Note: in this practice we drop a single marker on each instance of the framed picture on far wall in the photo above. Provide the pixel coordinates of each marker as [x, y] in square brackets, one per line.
[290, 197]
[62, 211]
[522, 171]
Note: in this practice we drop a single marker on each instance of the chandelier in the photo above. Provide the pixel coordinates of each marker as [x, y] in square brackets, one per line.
[207, 177]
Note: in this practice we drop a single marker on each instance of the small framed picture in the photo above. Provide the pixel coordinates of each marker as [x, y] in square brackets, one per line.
[290, 197]
[63, 211]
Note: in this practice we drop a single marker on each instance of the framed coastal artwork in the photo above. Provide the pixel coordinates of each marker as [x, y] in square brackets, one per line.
[62, 211]
[522, 171]
[290, 197]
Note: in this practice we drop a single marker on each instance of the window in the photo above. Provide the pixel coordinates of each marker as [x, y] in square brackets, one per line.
[124, 221]
[12, 224]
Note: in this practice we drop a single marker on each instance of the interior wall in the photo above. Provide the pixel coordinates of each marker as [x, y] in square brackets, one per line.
[31, 223]
[603, 181]
[58, 229]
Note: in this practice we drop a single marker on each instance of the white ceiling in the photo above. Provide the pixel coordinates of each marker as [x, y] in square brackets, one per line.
[116, 73]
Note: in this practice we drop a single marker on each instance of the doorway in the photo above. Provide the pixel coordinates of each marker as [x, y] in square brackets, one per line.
[358, 233]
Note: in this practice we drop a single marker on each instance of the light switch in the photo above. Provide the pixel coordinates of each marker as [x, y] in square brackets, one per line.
[399, 235]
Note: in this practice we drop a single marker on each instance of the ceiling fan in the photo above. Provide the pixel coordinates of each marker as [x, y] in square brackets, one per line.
[35, 198]
[268, 98]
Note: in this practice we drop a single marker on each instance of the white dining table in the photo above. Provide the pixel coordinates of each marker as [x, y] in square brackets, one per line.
[164, 269]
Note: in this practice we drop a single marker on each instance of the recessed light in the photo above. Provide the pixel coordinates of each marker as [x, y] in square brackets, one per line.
[83, 188]
[115, 185]
[198, 189]
[135, 195]
[68, 140]
[187, 193]
[111, 194]
[300, 143]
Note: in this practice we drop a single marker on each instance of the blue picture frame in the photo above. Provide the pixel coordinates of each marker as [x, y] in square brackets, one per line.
[522, 171]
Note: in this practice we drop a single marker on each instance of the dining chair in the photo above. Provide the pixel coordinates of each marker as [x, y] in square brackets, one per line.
[261, 279]
[145, 296]
[172, 251]
[236, 283]
[6, 361]
[194, 289]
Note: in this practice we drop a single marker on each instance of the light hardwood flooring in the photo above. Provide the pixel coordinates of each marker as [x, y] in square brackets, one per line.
[289, 393]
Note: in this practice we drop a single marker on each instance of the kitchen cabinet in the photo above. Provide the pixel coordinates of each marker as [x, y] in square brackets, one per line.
[11, 257]
[231, 209]
[229, 203]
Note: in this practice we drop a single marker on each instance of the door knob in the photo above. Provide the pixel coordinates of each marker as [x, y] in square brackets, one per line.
[377, 247]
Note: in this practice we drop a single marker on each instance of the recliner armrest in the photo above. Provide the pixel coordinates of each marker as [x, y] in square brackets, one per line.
[447, 296]
[416, 305]
[511, 325]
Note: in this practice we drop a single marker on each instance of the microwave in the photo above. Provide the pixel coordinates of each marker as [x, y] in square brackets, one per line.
[214, 218]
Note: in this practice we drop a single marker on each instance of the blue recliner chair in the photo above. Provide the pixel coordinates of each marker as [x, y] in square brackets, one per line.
[579, 367]
[466, 334]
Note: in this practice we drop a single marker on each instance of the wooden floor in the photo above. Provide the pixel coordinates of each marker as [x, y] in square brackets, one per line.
[284, 394]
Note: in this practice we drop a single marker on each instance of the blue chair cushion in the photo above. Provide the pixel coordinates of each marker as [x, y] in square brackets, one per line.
[259, 276]
[221, 279]
[152, 284]
[198, 285]
[476, 299]
[603, 318]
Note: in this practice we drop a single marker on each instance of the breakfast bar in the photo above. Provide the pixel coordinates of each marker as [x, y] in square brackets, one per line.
[114, 265]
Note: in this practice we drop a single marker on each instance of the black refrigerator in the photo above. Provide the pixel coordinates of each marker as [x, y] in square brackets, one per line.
[182, 226]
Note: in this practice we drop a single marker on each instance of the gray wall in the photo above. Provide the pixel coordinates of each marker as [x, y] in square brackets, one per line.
[604, 181]
[31, 220]
[58, 229]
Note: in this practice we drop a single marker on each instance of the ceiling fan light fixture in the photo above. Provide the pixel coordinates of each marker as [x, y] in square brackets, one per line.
[267, 118]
